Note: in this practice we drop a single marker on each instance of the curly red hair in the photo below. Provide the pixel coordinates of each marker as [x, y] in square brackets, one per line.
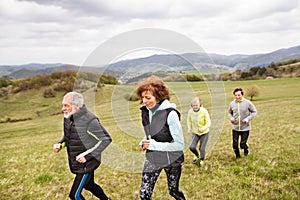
[156, 87]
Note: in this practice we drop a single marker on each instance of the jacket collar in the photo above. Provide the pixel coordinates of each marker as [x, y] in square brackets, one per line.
[80, 112]
[240, 100]
[164, 104]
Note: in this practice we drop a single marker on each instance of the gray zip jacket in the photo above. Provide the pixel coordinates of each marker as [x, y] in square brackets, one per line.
[242, 110]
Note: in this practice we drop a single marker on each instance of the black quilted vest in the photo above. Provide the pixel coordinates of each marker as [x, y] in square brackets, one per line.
[159, 130]
[78, 140]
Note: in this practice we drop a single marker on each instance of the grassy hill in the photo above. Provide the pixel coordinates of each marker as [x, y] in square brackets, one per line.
[31, 170]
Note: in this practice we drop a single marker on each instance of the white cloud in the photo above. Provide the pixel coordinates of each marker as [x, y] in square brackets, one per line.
[259, 9]
[30, 12]
[68, 31]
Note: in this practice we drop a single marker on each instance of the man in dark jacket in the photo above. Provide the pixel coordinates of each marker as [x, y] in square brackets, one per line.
[85, 139]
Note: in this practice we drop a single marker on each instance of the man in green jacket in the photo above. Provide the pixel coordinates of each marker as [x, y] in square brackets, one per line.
[241, 111]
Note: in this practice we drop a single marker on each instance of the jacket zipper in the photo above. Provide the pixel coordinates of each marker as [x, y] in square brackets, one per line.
[239, 116]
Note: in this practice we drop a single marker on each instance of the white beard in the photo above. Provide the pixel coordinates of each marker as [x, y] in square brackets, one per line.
[68, 115]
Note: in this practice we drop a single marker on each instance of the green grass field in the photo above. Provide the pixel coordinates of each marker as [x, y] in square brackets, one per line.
[31, 170]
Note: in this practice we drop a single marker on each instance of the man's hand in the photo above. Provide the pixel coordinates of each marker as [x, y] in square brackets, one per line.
[81, 159]
[57, 147]
[232, 120]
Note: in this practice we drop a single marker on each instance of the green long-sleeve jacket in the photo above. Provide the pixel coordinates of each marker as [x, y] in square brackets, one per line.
[197, 120]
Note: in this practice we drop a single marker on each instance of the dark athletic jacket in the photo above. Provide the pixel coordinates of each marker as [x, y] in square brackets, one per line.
[84, 135]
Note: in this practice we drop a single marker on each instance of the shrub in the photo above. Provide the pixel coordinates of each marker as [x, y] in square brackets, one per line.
[107, 79]
[49, 93]
[133, 97]
[68, 86]
[193, 77]
[40, 80]
[3, 92]
[58, 86]
[4, 82]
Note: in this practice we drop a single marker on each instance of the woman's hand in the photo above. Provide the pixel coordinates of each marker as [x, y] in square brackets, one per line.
[145, 143]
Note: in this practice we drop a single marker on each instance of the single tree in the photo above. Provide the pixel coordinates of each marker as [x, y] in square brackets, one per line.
[252, 91]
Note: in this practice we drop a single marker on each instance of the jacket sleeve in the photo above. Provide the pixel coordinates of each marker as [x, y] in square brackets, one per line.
[176, 132]
[189, 122]
[63, 142]
[103, 138]
[253, 112]
[63, 139]
[230, 112]
[207, 120]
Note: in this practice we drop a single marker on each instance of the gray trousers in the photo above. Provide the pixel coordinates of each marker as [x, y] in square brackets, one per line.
[203, 141]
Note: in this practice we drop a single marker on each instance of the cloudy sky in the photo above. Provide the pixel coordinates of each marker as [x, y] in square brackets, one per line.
[62, 31]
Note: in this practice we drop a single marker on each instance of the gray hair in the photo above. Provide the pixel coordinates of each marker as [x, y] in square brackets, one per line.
[77, 98]
[196, 100]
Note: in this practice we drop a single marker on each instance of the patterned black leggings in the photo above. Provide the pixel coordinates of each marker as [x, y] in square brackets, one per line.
[150, 175]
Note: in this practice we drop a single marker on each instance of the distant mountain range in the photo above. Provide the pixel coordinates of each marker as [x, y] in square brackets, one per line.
[127, 69]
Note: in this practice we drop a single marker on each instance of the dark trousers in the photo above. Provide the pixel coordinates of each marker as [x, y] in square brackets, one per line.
[150, 176]
[203, 141]
[243, 143]
[86, 181]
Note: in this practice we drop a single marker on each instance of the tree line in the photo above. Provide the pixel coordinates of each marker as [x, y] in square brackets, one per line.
[56, 81]
[285, 69]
